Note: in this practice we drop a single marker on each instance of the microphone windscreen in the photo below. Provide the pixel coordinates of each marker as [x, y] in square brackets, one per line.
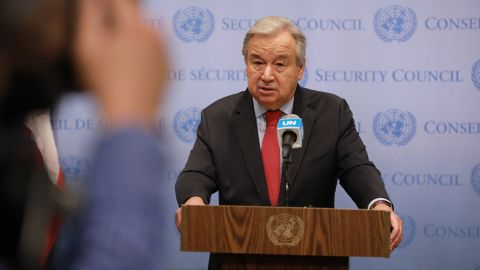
[291, 122]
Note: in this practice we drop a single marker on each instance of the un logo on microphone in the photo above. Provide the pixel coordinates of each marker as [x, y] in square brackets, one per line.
[193, 24]
[476, 74]
[185, 124]
[394, 127]
[476, 178]
[75, 169]
[395, 23]
[408, 230]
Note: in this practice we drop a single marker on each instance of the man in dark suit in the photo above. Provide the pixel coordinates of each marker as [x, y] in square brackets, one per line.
[230, 155]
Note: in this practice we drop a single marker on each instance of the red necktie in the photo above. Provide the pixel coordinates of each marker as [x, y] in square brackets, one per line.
[271, 156]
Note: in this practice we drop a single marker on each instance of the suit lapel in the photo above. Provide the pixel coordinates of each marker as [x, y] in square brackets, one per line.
[245, 126]
[302, 109]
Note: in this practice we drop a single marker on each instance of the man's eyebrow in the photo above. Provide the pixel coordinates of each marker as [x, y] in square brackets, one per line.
[279, 57]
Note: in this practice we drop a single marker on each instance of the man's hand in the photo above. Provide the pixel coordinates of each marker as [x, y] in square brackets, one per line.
[396, 224]
[178, 213]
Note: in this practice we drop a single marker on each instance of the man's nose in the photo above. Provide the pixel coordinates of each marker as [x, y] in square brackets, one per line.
[267, 74]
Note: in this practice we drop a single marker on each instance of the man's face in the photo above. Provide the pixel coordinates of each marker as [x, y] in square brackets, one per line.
[272, 70]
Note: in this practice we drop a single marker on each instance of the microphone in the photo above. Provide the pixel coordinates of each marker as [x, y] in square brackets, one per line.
[290, 133]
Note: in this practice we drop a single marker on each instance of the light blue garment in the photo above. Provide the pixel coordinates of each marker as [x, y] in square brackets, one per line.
[119, 226]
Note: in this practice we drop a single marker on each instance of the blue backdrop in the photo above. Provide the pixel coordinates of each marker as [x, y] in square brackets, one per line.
[410, 71]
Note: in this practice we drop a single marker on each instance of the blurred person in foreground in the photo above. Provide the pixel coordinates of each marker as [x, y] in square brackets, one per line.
[104, 46]
[237, 153]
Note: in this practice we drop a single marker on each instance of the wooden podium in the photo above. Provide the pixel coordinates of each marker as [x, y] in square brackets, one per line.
[251, 237]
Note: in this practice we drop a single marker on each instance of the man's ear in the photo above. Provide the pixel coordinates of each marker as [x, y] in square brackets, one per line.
[301, 71]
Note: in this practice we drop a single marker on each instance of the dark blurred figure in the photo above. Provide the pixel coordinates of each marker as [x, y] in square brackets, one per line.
[35, 69]
[45, 45]
[35, 44]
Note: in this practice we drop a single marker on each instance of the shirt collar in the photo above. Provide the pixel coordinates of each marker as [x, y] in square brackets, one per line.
[287, 108]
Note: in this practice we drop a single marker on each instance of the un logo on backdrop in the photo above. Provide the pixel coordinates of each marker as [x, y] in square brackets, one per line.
[394, 127]
[476, 178]
[408, 230]
[476, 74]
[75, 169]
[193, 24]
[185, 124]
[395, 23]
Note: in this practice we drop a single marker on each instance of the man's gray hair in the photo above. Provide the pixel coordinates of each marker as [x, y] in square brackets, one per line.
[273, 24]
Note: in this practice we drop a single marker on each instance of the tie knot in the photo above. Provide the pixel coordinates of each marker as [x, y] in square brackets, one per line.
[272, 117]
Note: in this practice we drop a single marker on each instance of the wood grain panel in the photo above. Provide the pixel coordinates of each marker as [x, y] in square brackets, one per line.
[326, 232]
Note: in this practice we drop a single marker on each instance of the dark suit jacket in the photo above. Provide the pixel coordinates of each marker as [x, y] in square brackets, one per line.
[226, 156]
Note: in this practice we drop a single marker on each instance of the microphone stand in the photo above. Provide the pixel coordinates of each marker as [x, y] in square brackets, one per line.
[288, 138]
[286, 174]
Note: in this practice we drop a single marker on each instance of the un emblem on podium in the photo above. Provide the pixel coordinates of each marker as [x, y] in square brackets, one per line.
[476, 74]
[395, 23]
[193, 24]
[394, 127]
[185, 124]
[285, 229]
[408, 230]
[476, 178]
